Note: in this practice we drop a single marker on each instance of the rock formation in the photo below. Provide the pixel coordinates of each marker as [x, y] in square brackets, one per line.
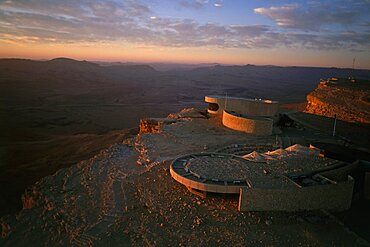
[348, 99]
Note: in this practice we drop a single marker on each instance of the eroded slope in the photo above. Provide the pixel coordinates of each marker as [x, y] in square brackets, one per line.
[350, 101]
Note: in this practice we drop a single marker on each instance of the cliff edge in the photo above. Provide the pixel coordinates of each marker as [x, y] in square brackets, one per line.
[347, 98]
[125, 196]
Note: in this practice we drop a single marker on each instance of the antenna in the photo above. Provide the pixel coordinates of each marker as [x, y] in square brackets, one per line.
[226, 101]
[353, 70]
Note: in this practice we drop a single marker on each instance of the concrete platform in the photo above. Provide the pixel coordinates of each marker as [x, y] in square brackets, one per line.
[211, 172]
[292, 179]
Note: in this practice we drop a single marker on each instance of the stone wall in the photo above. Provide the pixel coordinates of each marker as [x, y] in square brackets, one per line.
[333, 197]
[251, 125]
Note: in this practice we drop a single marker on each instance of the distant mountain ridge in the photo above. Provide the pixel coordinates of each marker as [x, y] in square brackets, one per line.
[164, 67]
[231, 68]
[66, 63]
[290, 84]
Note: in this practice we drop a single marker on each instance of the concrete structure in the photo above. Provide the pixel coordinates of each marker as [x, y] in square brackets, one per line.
[209, 172]
[291, 179]
[255, 125]
[251, 116]
[333, 196]
[244, 106]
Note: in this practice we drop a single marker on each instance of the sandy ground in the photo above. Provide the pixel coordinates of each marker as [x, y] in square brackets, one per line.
[112, 200]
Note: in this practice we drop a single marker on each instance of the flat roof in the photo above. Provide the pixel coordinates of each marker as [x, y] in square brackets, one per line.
[228, 173]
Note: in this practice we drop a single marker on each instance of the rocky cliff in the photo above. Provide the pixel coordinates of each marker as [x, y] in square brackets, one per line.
[125, 196]
[348, 99]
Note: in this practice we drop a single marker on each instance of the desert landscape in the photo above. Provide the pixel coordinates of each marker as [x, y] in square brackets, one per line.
[70, 140]
[58, 112]
[184, 123]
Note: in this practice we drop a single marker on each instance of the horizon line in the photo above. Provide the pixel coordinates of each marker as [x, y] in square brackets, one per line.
[175, 63]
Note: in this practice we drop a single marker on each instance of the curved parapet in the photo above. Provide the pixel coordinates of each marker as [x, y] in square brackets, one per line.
[293, 180]
[249, 124]
[211, 172]
[244, 106]
[215, 104]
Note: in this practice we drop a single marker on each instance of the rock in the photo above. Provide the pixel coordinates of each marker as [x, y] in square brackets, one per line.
[189, 113]
[153, 125]
[5, 229]
[29, 198]
[197, 220]
[345, 99]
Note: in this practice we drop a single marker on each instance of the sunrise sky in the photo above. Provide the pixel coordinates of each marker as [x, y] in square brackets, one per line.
[303, 33]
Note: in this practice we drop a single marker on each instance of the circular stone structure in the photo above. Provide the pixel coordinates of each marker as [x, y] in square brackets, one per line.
[227, 173]
[245, 106]
[291, 179]
[255, 125]
[213, 172]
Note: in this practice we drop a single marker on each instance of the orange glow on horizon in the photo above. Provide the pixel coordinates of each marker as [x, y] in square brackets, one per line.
[114, 52]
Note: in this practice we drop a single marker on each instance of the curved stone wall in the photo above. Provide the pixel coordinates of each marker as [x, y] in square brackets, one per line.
[248, 124]
[243, 106]
[218, 178]
[293, 179]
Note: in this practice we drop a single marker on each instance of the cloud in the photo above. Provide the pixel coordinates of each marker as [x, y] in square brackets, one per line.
[75, 21]
[54, 21]
[189, 33]
[195, 4]
[128, 21]
[322, 25]
[198, 4]
[316, 15]
[218, 3]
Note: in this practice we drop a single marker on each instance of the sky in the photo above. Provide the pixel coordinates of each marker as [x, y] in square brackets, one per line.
[271, 32]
